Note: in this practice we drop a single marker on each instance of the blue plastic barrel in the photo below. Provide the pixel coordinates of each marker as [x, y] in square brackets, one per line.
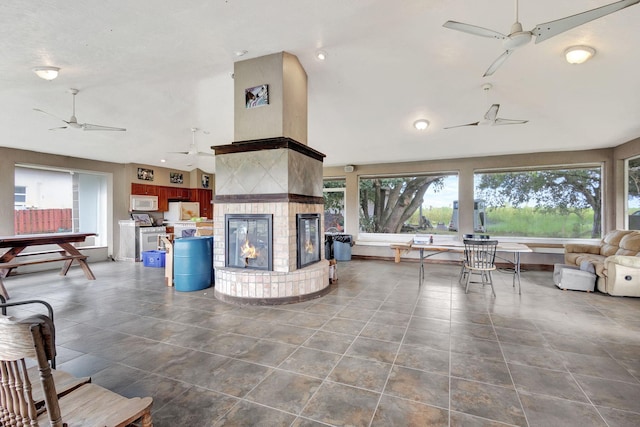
[192, 263]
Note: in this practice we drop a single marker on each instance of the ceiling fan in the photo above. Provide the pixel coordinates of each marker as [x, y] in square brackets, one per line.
[73, 121]
[193, 148]
[542, 32]
[491, 119]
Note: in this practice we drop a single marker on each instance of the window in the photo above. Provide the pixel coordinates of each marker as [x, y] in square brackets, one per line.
[408, 204]
[20, 197]
[54, 201]
[552, 203]
[633, 193]
[333, 193]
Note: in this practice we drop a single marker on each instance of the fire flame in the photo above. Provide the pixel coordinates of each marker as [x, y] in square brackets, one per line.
[247, 250]
[308, 247]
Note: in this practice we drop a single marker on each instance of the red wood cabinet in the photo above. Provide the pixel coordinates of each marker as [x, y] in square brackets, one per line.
[202, 195]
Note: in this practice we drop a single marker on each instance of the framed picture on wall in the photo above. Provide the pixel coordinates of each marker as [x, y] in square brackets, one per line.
[205, 181]
[145, 174]
[176, 178]
[256, 96]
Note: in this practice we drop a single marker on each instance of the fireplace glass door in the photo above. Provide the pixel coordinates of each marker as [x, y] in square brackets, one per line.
[249, 241]
[308, 237]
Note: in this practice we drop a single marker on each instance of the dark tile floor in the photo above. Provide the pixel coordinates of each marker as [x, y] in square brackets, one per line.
[376, 351]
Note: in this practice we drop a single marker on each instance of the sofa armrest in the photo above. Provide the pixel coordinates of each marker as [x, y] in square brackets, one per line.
[623, 276]
[623, 260]
[582, 248]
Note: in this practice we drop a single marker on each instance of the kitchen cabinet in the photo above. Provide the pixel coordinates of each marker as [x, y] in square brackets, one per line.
[144, 189]
[175, 194]
[203, 196]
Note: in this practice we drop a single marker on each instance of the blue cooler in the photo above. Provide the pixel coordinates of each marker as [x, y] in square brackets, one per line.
[192, 263]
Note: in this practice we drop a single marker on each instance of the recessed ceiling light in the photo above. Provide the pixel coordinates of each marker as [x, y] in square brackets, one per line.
[579, 54]
[240, 52]
[46, 73]
[163, 160]
[321, 55]
[421, 124]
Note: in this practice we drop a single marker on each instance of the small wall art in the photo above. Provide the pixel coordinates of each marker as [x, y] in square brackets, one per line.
[257, 96]
[205, 181]
[176, 178]
[145, 174]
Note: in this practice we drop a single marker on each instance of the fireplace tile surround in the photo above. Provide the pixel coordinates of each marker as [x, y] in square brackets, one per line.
[277, 177]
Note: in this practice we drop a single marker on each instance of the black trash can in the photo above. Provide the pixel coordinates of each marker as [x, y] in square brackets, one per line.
[328, 246]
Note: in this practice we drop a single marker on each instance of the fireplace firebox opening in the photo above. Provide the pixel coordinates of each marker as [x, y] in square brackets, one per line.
[308, 239]
[249, 241]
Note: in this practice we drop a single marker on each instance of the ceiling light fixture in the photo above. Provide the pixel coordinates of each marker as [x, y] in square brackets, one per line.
[421, 124]
[321, 55]
[579, 54]
[46, 73]
[240, 52]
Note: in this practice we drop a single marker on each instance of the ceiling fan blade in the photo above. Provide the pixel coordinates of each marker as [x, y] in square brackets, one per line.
[492, 112]
[498, 62]
[459, 126]
[553, 28]
[59, 128]
[472, 29]
[499, 122]
[56, 117]
[88, 126]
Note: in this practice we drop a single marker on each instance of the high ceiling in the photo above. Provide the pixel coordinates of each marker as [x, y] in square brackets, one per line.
[160, 68]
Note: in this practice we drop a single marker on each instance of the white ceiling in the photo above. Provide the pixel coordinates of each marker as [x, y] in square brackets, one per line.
[160, 67]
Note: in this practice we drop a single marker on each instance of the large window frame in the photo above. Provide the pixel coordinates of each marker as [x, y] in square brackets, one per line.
[85, 193]
[555, 193]
[334, 192]
[632, 193]
[391, 210]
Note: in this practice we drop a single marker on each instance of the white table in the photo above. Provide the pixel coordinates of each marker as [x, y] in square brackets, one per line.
[427, 250]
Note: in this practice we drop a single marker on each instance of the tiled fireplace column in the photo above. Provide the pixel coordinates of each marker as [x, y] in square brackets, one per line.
[279, 179]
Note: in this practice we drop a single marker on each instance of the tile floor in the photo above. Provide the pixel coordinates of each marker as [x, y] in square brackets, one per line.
[376, 351]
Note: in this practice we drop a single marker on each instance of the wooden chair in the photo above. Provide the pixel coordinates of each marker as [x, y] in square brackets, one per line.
[87, 405]
[479, 258]
[64, 381]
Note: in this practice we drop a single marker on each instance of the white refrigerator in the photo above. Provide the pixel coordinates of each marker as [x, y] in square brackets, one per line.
[181, 211]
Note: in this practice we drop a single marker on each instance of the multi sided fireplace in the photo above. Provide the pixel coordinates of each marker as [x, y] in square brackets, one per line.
[308, 239]
[249, 240]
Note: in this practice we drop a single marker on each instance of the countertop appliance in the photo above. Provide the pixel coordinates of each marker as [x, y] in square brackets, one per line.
[135, 239]
[143, 203]
[181, 211]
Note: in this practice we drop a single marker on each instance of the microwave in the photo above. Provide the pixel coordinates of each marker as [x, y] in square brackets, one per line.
[143, 203]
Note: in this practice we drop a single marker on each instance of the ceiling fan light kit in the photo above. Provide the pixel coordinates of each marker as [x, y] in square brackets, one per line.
[421, 124]
[579, 54]
[47, 73]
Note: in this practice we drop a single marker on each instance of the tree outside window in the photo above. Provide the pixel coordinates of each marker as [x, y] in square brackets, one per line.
[561, 203]
[409, 204]
[633, 193]
[333, 193]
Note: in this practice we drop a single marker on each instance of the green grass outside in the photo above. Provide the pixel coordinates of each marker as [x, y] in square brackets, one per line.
[524, 222]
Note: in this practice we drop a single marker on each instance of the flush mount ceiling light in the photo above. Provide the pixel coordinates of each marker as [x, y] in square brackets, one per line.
[321, 55]
[46, 73]
[579, 54]
[240, 52]
[421, 124]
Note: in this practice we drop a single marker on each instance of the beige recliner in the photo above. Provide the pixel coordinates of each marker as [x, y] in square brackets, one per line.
[615, 260]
